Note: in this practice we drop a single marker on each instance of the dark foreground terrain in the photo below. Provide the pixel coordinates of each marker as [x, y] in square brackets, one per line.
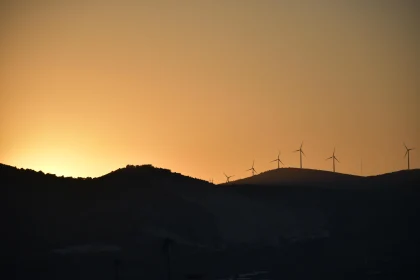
[133, 222]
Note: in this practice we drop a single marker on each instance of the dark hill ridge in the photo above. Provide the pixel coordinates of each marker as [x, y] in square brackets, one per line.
[297, 176]
[131, 211]
[283, 176]
[137, 174]
[321, 178]
[396, 179]
[148, 173]
[9, 172]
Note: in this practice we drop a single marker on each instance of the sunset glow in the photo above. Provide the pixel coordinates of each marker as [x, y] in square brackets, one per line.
[206, 87]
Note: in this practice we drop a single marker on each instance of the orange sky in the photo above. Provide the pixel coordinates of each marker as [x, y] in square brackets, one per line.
[205, 87]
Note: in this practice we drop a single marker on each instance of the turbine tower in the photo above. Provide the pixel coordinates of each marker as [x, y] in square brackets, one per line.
[300, 152]
[407, 154]
[252, 168]
[278, 161]
[228, 177]
[334, 159]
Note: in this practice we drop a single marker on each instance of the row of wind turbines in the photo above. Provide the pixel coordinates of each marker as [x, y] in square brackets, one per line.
[333, 158]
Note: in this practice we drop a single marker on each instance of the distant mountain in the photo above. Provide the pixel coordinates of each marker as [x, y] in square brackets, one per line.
[146, 174]
[139, 173]
[402, 178]
[321, 178]
[297, 176]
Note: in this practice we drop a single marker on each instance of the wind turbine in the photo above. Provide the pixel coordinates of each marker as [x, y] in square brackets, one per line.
[407, 153]
[228, 177]
[252, 168]
[300, 152]
[334, 159]
[278, 161]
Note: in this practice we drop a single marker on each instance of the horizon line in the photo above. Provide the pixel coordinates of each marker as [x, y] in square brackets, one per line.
[148, 164]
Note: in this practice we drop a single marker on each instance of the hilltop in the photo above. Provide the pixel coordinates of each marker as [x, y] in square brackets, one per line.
[320, 178]
[146, 174]
[138, 175]
[402, 178]
[297, 176]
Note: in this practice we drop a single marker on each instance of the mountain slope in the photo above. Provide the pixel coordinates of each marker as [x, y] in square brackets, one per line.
[297, 176]
[321, 178]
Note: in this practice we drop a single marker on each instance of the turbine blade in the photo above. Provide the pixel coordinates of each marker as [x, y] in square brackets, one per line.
[273, 160]
[301, 145]
[328, 158]
[406, 153]
[337, 159]
[296, 151]
[281, 162]
[405, 146]
[302, 153]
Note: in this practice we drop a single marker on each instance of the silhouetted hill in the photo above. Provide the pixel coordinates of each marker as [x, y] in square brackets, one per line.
[146, 174]
[130, 173]
[321, 178]
[8, 172]
[287, 218]
[297, 176]
[402, 178]
[59, 211]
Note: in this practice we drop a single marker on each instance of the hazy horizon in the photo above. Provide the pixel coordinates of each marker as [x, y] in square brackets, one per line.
[206, 87]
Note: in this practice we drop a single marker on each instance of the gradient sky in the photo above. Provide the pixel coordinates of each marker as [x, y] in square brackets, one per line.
[205, 87]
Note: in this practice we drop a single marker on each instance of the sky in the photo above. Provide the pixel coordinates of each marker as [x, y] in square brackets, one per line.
[206, 87]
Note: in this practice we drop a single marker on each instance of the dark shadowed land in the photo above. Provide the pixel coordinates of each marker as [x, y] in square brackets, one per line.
[286, 224]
